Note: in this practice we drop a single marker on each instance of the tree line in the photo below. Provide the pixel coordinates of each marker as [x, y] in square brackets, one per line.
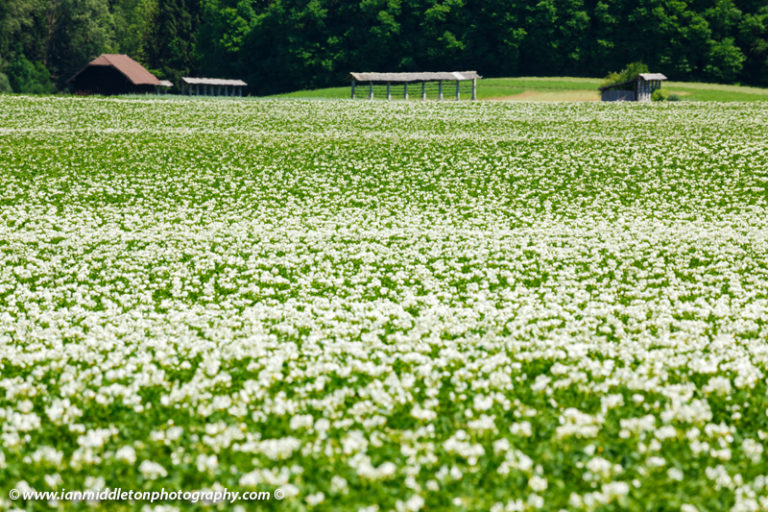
[280, 45]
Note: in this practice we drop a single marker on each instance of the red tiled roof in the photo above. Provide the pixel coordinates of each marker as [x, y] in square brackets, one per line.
[134, 71]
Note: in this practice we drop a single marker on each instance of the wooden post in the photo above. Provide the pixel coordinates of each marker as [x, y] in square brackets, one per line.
[474, 89]
[458, 91]
[423, 91]
[353, 88]
[405, 91]
[389, 91]
[439, 90]
[370, 90]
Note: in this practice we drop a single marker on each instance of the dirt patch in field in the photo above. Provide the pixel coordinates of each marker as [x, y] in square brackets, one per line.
[572, 95]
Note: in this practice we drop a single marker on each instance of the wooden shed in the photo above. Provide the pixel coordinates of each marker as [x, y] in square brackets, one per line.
[114, 74]
[406, 79]
[212, 86]
[638, 89]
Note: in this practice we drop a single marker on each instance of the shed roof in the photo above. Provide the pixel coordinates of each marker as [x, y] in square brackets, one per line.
[415, 77]
[165, 83]
[133, 71]
[648, 77]
[213, 81]
[652, 76]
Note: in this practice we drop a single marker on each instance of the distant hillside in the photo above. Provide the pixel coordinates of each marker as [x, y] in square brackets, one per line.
[552, 89]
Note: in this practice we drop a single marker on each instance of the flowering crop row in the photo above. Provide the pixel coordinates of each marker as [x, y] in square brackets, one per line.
[387, 306]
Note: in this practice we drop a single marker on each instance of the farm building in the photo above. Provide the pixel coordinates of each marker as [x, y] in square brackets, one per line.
[212, 86]
[638, 89]
[455, 78]
[115, 74]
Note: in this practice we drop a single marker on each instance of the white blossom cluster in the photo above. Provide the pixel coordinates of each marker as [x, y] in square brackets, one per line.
[387, 306]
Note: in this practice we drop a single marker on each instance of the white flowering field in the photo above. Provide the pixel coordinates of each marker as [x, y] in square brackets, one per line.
[386, 306]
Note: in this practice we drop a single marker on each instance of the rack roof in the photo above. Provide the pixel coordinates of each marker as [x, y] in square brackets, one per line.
[415, 77]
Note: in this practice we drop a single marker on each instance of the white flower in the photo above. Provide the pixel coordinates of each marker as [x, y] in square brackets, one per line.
[315, 499]
[423, 414]
[152, 470]
[718, 385]
[53, 481]
[537, 483]
[206, 463]
[413, 504]
[301, 421]
[675, 474]
[613, 490]
[339, 485]
[753, 450]
[126, 454]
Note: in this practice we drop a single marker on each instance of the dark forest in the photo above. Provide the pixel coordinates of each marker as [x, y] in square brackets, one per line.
[281, 45]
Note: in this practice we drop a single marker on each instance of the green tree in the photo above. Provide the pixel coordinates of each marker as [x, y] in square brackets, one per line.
[23, 29]
[292, 45]
[556, 33]
[312, 43]
[224, 26]
[29, 77]
[5, 84]
[752, 34]
[627, 74]
[62, 35]
[83, 30]
[369, 35]
[444, 33]
[175, 30]
[496, 36]
[133, 26]
[725, 60]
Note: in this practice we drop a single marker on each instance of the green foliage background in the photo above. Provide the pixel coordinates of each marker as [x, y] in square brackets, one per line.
[281, 45]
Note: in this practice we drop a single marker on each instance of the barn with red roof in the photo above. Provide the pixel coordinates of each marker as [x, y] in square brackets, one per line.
[115, 74]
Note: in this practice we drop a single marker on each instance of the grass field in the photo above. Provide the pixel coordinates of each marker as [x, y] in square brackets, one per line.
[480, 306]
[553, 89]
